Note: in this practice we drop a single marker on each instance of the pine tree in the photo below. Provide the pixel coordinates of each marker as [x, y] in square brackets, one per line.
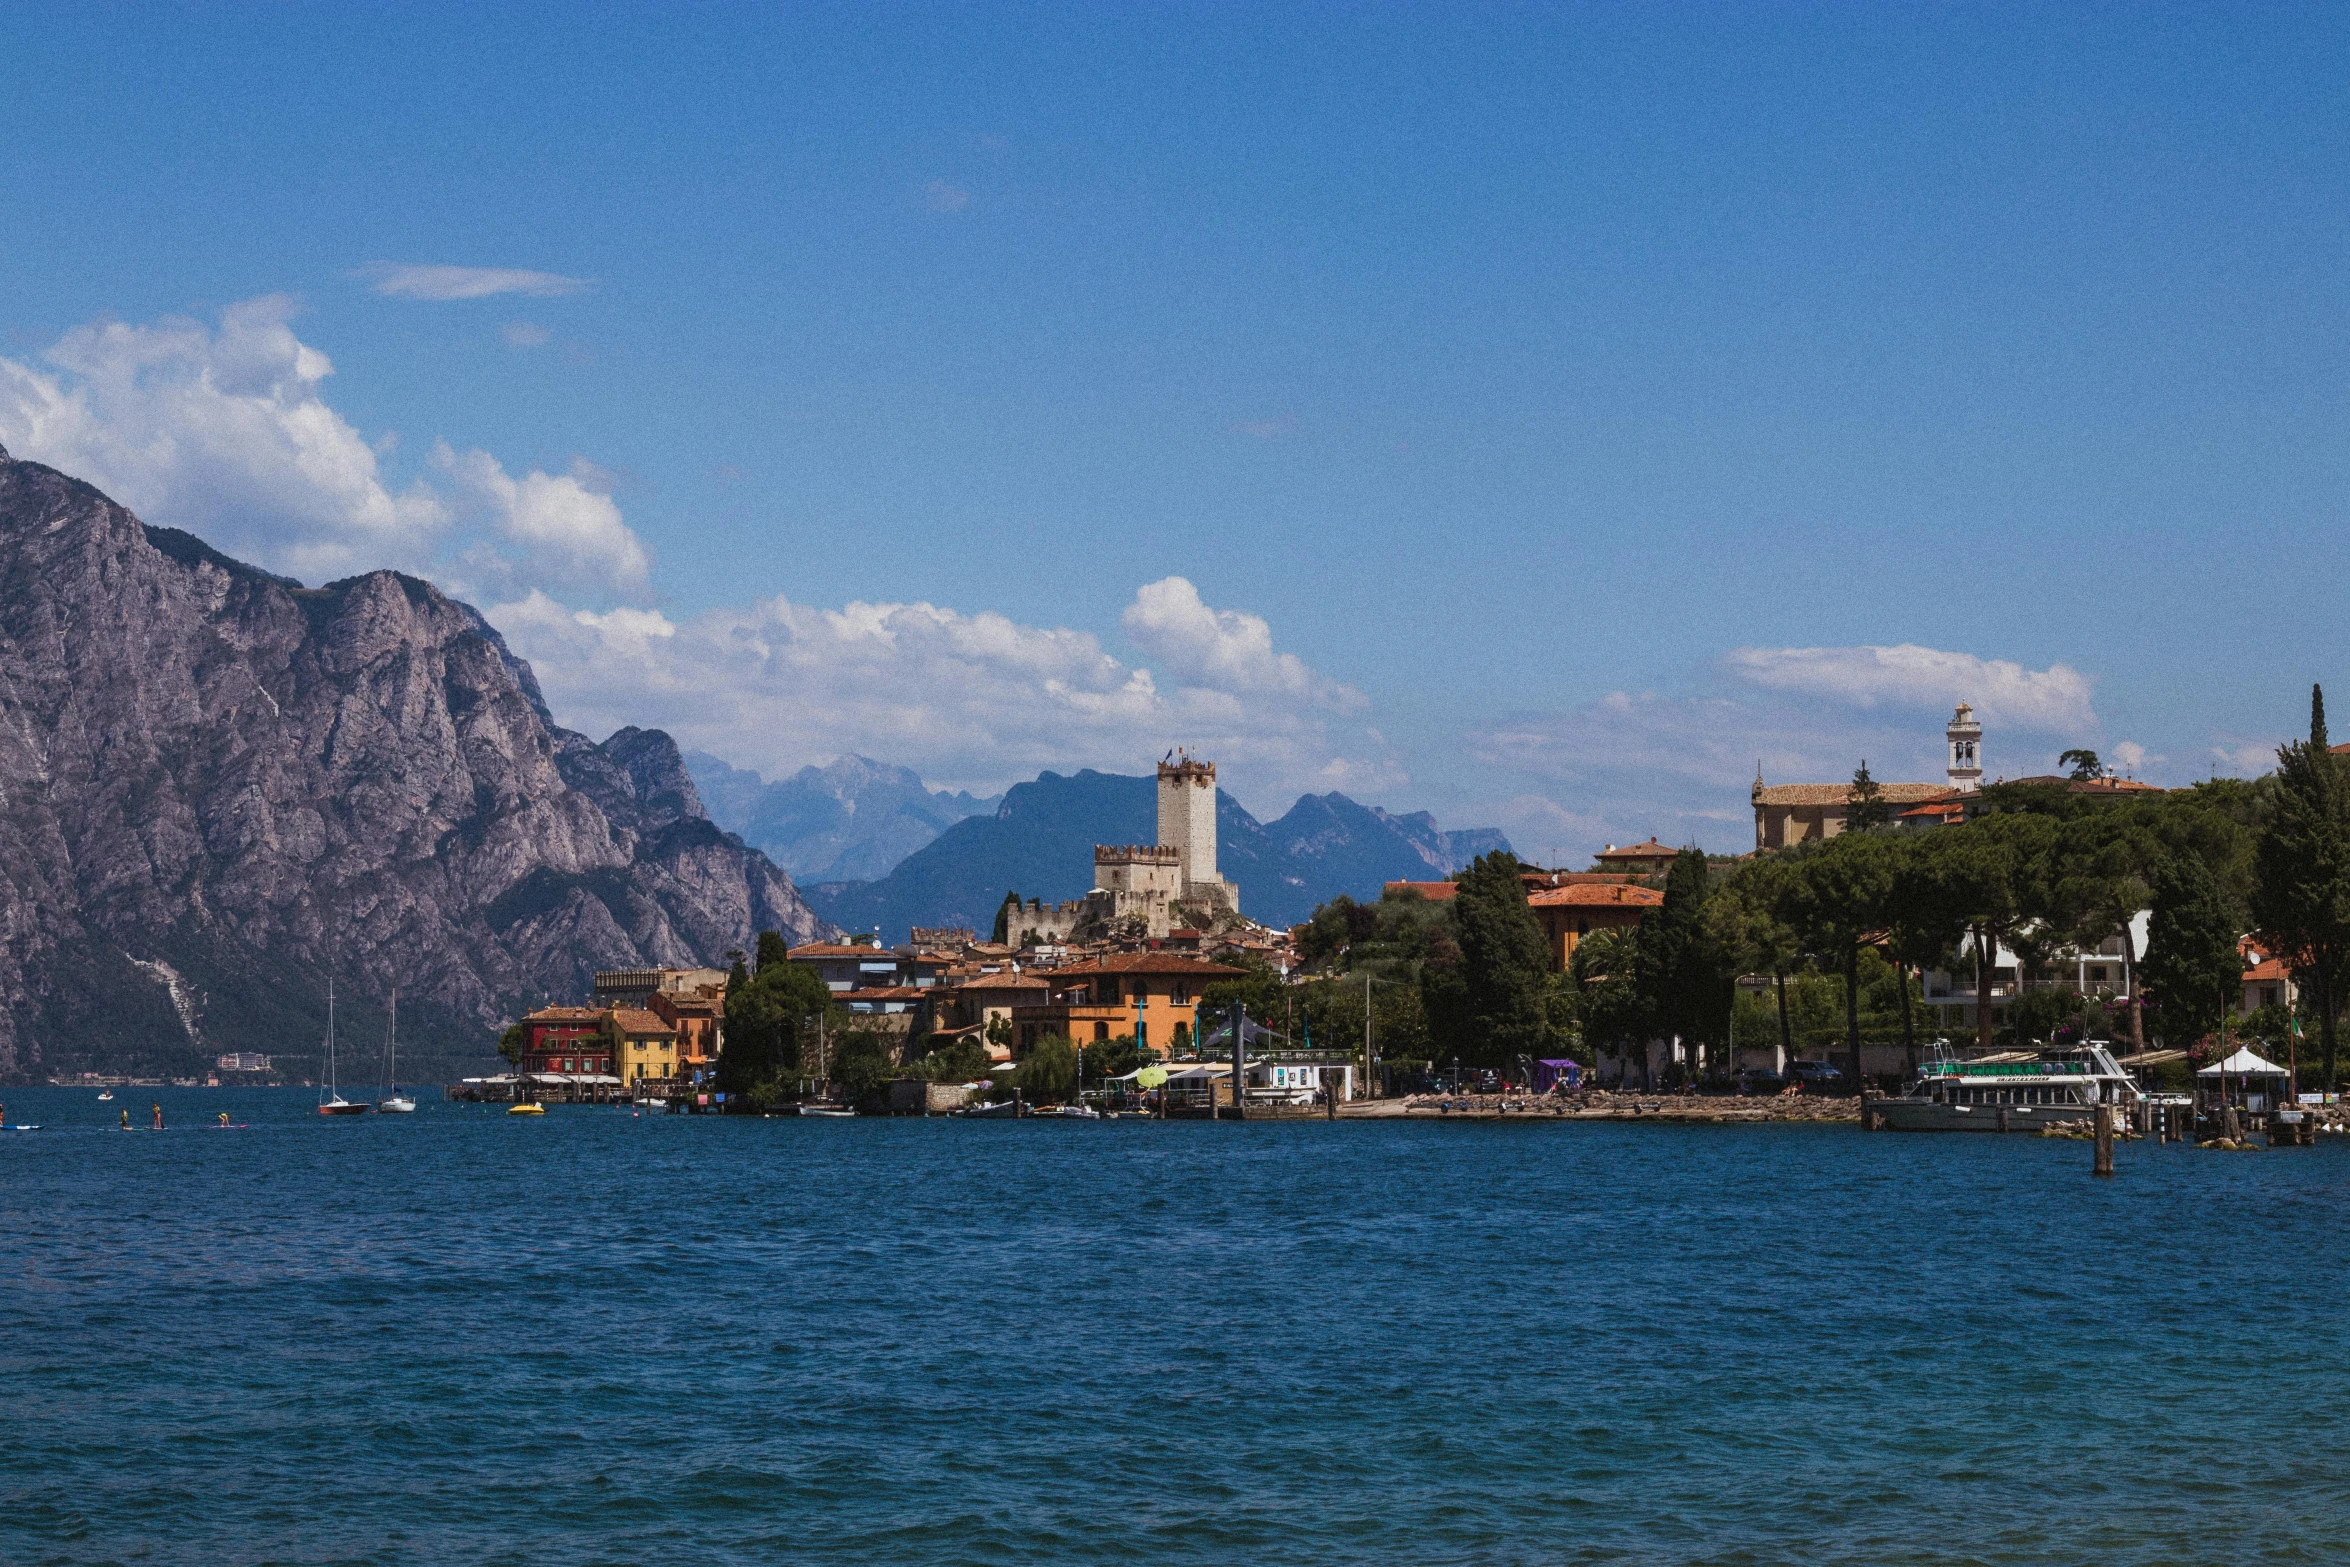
[2301, 863]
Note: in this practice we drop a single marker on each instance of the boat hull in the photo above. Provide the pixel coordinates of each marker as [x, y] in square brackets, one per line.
[344, 1109]
[396, 1106]
[1924, 1115]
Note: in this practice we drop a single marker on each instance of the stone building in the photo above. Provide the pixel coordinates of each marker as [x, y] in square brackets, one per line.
[1792, 813]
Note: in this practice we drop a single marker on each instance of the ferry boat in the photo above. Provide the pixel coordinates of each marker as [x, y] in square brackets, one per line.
[2019, 1091]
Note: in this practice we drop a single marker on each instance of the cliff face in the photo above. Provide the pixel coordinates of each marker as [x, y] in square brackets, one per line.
[217, 787]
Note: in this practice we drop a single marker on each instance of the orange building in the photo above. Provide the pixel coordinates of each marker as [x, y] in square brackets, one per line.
[1152, 996]
[695, 1018]
[1570, 913]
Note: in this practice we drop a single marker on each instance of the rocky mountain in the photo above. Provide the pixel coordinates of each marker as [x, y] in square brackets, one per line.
[219, 787]
[1040, 841]
[851, 821]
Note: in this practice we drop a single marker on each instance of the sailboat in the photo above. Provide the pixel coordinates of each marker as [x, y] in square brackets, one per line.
[395, 1102]
[331, 1102]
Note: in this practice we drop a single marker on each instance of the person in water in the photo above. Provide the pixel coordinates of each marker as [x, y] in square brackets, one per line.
[126, 1118]
[159, 1118]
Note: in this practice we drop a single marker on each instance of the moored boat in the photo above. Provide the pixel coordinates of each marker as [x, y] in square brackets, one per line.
[394, 1102]
[2017, 1091]
[527, 1107]
[330, 1100]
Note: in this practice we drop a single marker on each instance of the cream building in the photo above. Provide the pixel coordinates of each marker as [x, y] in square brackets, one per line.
[1792, 813]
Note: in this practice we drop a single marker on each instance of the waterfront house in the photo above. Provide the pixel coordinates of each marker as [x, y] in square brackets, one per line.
[1151, 996]
[645, 1048]
[566, 1040]
[695, 1019]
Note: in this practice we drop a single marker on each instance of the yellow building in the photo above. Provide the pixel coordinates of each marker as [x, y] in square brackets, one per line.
[1151, 997]
[644, 1049]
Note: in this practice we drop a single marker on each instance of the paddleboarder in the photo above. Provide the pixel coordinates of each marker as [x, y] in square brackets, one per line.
[158, 1117]
[126, 1118]
[224, 1120]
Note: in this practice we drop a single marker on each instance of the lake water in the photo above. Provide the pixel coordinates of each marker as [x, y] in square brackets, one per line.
[592, 1337]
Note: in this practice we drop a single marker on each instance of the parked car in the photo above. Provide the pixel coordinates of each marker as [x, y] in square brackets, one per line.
[1816, 1074]
[1760, 1082]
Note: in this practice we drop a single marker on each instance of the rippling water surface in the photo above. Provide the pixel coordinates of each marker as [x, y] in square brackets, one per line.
[592, 1337]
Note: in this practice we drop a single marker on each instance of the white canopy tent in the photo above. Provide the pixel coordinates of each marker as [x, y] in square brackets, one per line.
[2244, 1064]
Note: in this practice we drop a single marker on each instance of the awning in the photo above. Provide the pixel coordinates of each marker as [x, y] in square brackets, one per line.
[2243, 1064]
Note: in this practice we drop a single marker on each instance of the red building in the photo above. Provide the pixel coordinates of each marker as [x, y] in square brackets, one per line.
[566, 1039]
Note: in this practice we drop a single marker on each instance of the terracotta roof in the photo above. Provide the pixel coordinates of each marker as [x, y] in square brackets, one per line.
[1949, 810]
[1651, 850]
[838, 949]
[884, 993]
[1586, 896]
[1146, 963]
[2259, 963]
[1841, 793]
[1004, 982]
[1433, 891]
[633, 1020]
[563, 1015]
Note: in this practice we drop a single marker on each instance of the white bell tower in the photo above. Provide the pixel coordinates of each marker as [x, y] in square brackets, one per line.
[1966, 750]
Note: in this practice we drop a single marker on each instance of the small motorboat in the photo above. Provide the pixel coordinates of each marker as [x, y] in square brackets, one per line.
[527, 1107]
[829, 1112]
[1078, 1113]
[105, 1094]
[21, 1127]
[1004, 1110]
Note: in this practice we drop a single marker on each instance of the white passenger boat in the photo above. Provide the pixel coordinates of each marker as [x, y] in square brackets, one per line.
[2019, 1091]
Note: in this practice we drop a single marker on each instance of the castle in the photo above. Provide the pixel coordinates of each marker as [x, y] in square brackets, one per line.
[1148, 889]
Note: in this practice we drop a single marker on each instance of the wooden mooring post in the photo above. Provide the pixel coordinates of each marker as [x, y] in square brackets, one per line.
[2104, 1165]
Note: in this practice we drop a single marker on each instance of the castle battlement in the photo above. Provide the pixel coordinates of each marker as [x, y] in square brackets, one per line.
[1137, 854]
[1200, 775]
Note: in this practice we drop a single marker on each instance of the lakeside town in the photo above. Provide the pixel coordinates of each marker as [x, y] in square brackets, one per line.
[1882, 941]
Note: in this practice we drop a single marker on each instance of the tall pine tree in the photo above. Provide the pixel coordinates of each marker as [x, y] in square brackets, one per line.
[2193, 968]
[1866, 806]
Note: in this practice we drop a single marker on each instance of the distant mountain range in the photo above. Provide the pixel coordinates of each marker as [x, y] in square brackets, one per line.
[851, 821]
[1039, 842]
[219, 788]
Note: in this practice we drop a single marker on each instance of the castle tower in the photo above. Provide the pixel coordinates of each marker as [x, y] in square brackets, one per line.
[1187, 814]
[1966, 755]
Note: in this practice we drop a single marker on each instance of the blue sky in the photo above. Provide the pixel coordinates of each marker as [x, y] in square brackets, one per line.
[1505, 392]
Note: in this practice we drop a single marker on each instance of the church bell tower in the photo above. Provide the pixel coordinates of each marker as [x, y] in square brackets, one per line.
[1966, 755]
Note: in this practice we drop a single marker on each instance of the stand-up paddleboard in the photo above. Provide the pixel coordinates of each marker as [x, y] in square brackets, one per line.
[36, 1126]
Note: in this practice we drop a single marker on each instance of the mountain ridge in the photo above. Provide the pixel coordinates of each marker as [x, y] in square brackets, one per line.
[219, 787]
[851, 820]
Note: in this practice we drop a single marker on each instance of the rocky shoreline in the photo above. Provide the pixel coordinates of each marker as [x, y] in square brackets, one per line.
[1600, 1104]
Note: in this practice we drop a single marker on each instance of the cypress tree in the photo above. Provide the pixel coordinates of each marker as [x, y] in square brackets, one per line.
[1866, 806]
[1504, 965]
[2192, 965]
[2301, 865]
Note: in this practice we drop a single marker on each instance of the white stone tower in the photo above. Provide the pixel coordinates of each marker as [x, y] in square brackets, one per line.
[1187, 824]
[1966, 750]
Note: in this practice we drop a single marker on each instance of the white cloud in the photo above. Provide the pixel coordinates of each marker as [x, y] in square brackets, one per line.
[939, 196]
[2130, 754]
[223, 433]
[524, 334]
[1224, 649]
[420, 280]
[2052, 699]
[2246, 758]
[226, 433]
[965, 699]
[565, 527]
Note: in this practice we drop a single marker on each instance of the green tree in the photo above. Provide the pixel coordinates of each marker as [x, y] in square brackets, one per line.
[1866, 807]
[2084, 765]
[761, 1036]
[1005, 913]
[863, 1062]
[1679, 966]
[2193, 967]
[1605, 971]
[513, 1042]
[1049, 1071]
[1504, 965]
[1846, 895]
[2301, 892]
[1752, 922]
[1977, 885]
